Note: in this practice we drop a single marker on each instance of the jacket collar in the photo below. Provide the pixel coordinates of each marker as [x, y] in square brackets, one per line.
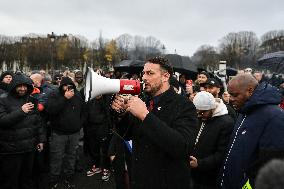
[166, 96]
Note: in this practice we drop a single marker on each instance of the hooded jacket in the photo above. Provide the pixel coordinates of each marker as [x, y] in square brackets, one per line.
[19, 131]
[212, 144]
[257, 138]
[65, 114]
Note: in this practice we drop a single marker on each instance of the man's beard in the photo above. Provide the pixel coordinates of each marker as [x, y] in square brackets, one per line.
[21, 93]
[154, 89]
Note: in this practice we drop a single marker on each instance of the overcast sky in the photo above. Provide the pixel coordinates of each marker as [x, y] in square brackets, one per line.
[183, 25]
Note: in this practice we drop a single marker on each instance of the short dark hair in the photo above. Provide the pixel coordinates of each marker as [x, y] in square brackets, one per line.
[163, 62]
[205, 73]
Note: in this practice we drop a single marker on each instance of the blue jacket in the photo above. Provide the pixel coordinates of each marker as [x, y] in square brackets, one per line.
[258, 137]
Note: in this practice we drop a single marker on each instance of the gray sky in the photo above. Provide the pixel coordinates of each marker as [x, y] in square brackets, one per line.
[183, 25]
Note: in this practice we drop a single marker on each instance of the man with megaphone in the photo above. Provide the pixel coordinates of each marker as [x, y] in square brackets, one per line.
[162, 129]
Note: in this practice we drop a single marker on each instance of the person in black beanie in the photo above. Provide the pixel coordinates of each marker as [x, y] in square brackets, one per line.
[65, 108]
[5, 78]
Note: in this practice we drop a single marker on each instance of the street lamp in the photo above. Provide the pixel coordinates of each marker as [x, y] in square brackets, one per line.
[52, 39]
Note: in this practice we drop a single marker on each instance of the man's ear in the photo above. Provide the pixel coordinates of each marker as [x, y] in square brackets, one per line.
[166, 77]
[218, 90]
[250, 90]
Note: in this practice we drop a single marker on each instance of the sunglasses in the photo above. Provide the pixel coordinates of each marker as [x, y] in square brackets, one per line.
[58, 78]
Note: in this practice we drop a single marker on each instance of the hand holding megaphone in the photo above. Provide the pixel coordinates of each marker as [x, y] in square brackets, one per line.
[119, 103]
[137, 107]
[134, 105]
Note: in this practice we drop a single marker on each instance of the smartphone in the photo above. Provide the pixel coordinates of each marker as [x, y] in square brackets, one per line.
[189, 82]
[33, 100]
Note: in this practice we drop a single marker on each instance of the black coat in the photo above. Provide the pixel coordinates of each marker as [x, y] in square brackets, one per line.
[211, 148]
[161, 143]
[19, 131]
[98, 117]
[3, 88]
[65, 115]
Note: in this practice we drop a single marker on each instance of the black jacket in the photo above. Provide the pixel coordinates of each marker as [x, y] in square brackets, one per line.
[211, 147]
[98, 117]
[66, 115]
[19, 131]
[3, 88]
[161, 143]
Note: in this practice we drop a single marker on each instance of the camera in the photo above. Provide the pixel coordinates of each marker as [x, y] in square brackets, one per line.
[33, 100]
[222, 68]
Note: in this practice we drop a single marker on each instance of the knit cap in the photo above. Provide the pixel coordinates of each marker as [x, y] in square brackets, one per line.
[204, 101]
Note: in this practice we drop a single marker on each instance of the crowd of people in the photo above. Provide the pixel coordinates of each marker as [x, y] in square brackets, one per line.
[178, 133]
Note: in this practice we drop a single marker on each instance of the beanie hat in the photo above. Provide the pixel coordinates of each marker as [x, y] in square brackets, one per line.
[204, 101]
[5, 74]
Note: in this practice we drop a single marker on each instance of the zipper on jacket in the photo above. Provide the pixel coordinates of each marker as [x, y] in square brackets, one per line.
[199, 133]
[230, 149]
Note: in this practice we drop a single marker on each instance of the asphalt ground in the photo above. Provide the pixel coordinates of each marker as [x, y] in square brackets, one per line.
[81, 180]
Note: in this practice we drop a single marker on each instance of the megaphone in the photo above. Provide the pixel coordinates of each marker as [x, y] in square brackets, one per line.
[97, 85]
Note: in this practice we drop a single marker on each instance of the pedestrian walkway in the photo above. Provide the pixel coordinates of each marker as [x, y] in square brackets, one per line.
[84, 182]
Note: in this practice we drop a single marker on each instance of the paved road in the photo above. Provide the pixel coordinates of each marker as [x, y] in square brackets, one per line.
[81, 180]
[84, 182]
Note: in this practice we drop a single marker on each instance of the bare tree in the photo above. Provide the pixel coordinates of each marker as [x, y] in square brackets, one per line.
[239, 49]
[272, 41]
[153, 45]
[206, 57]
[124, 43]
[271, 35]
[55, 51]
